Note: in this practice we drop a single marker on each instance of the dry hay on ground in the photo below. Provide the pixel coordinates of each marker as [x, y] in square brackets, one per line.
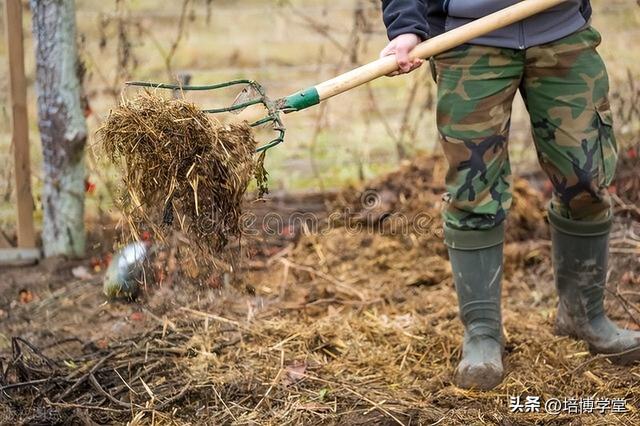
[384, 359]
[182, 172]
[350, 326]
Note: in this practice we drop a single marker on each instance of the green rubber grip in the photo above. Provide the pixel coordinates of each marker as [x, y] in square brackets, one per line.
[301, 100]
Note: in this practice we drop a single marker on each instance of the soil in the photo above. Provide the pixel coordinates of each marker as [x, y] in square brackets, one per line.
[341, 310]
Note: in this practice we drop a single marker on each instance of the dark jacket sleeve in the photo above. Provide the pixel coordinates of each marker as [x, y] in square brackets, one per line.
[405, 16]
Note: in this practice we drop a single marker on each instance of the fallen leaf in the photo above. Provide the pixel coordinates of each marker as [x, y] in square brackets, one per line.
[294, 373]
[25, 296]
[89, 186]
[102, 343]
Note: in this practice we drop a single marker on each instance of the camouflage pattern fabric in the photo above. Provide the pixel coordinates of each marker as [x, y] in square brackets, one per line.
[565, 88]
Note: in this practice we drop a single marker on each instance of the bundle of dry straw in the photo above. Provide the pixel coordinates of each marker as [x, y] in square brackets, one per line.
[183, 173]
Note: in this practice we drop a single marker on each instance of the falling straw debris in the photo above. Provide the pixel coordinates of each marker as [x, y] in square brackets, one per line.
[182, 172]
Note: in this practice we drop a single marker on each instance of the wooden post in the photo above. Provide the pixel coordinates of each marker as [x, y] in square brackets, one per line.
[20, 127]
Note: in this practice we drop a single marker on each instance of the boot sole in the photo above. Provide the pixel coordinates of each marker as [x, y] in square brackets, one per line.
[482, 378]
[628, 358]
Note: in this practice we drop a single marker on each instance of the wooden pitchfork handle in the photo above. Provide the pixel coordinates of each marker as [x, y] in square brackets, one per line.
[388, 64]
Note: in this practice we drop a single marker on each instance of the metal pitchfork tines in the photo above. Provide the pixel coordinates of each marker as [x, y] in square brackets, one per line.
[254, 95]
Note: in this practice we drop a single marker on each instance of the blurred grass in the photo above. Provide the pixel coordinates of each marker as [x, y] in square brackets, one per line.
[271, 43]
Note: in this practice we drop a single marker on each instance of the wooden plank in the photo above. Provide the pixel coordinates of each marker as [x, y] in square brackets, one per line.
[20, 131]
[19, 257]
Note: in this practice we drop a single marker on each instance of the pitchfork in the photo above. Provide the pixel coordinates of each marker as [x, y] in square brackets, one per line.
[257, 109]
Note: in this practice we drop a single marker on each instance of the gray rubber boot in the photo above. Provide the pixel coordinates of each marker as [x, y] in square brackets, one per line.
[476, 262]
[580, 254]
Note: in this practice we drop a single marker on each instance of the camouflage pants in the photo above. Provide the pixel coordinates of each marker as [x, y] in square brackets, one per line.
[564, 85]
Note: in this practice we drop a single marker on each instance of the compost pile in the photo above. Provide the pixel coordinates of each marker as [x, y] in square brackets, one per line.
[413, 194]
[184, 175]
[627, 180]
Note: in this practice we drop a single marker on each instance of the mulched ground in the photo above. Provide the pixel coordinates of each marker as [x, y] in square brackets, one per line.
[343, 315]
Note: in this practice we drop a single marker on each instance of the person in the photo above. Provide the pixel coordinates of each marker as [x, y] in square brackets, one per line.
[551, 59]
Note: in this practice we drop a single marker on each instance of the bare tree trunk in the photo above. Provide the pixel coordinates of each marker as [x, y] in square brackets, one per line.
[63, 129]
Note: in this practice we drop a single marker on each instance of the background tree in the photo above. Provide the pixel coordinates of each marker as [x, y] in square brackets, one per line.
[63, 129]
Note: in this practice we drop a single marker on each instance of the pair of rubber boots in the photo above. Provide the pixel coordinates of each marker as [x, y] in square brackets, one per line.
[580, 252]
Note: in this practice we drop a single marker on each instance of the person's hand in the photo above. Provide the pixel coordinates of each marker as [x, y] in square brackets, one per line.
[401, 46]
